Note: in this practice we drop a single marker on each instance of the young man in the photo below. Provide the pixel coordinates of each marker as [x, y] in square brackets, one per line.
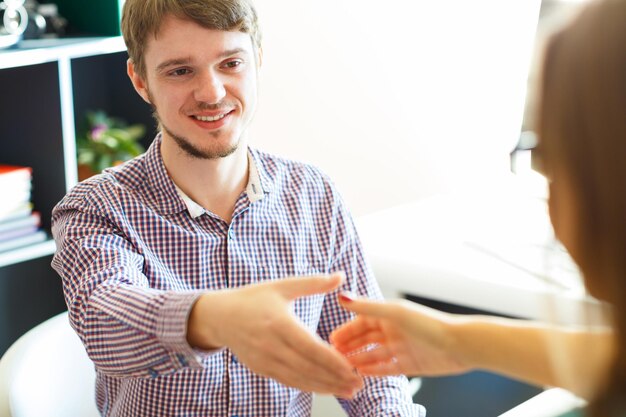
[174, 264]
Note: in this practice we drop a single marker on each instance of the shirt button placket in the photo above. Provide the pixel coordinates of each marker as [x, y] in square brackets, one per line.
[238, 389]
[234, 382]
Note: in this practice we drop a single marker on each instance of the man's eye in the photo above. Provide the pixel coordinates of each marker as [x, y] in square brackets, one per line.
[233, 64]
[180, 71]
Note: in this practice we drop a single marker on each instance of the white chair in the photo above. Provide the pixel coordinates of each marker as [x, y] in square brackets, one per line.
[46, 372]
[549, 403]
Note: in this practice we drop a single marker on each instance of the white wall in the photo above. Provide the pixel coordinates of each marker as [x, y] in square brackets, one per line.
[396, 100]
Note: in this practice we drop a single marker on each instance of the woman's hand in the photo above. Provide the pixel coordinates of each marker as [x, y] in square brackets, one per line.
[399, 337]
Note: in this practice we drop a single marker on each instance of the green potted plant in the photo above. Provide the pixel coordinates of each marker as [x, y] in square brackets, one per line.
[106, 141]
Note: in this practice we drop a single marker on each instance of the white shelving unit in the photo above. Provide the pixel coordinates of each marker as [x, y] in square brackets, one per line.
[57, 55]
[27, 252]
[39, 51]
[46, 89]
[62, 52]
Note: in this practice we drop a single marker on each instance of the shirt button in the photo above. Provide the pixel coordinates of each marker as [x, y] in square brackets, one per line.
[181, 359]
[231, 234]
[153, 373]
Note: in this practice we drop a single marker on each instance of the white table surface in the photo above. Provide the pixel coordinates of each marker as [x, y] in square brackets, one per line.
[491, 249]
[550, 403]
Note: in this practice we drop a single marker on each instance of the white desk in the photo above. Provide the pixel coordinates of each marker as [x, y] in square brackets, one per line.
[484, 250]
[550, 403]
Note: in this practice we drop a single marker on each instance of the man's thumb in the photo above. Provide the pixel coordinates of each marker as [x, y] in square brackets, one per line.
[296, 287]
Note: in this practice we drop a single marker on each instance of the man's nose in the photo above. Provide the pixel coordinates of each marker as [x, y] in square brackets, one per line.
[209, 88]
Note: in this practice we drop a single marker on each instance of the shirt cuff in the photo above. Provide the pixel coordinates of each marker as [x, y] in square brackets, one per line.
[172, 329]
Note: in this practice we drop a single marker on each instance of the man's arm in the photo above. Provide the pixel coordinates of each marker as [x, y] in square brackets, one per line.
[130, 329]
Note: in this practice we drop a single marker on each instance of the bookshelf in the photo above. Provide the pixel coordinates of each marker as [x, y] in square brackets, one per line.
[46, 88]
[27, 252]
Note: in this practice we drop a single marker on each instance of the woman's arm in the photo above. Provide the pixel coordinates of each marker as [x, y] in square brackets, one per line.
[412, 339]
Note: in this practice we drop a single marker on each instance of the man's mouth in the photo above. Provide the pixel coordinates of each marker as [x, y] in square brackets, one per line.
[211, 118]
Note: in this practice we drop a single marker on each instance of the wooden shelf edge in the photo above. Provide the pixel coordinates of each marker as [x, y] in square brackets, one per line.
[27, 253]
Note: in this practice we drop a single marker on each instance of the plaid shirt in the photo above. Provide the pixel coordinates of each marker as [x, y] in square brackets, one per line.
[134, 254]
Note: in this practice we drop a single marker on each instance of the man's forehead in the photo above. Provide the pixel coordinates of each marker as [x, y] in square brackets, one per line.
[174, 25]
[185, 38]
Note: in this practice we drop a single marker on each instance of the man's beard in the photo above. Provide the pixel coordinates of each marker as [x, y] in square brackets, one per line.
[193, 151]
[185, 144]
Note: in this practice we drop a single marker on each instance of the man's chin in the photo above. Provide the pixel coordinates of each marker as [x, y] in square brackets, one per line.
[197, 152]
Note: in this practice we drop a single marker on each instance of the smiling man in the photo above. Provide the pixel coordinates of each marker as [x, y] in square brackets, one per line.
[202, 275]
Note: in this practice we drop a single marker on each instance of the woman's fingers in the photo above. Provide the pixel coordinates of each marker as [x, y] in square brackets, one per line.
[365, 306]
[381, 369]
[355, 334]
[373, 355]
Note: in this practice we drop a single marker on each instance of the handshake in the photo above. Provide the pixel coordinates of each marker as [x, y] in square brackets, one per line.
[272, 341]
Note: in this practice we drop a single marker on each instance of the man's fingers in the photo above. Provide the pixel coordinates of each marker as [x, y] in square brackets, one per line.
[293, 288]
[297, 370]
[300, 359]
[318, 353]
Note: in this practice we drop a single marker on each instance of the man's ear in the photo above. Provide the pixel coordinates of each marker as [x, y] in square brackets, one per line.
[138, 81]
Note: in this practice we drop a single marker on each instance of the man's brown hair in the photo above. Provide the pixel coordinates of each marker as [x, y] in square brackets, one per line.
[143, 18]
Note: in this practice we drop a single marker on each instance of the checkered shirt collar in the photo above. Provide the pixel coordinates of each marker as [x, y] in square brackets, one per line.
[171, 199]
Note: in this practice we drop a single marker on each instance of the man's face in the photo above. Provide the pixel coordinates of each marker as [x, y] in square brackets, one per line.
[202, 84]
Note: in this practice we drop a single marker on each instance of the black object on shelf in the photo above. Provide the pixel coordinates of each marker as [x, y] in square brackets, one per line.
[13, 22]
[92, 17]
[44, 21]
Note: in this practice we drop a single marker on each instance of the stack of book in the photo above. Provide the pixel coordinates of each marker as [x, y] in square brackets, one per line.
[19, 224]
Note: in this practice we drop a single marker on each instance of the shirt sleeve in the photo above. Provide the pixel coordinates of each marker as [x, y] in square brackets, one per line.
[388, 396]
[127, 328]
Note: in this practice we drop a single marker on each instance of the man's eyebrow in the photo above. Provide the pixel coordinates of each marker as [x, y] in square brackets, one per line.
[234, 51]
[172, 62]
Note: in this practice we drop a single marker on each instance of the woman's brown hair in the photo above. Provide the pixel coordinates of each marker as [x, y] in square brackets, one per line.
[582, 131]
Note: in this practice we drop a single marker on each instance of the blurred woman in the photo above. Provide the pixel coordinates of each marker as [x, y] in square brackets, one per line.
[582, 146]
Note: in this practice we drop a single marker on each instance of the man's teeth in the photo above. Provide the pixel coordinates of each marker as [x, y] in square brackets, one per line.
[210, 118]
